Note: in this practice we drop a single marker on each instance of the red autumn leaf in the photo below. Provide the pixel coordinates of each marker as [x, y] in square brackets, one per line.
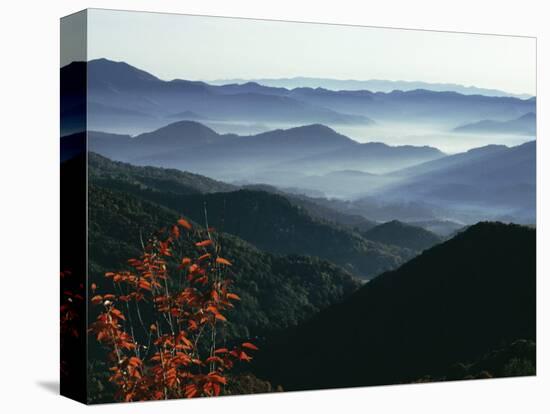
[97, 299]
[233, 296]
[117, 313]
[249, 346]
[144, 284]
[191, 391]
[212, 309]
[243, 356]
[215, 359]
[223, 261]
[217, 378]
[184, 223]
[220, 317]
[203, 280]
[204, 243]
[185, 341]
[204, 256]
[134, 361]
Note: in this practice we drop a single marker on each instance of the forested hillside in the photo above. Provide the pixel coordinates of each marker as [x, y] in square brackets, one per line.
[456, 303]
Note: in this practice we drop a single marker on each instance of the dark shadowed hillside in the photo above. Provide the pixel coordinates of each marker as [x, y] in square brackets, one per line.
[403, 235]
[454, 303]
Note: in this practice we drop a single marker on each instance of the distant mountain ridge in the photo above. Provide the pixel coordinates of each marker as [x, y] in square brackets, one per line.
[524, 125]
[501, 180]
[373, 157]
[374, 85]
[119, 85]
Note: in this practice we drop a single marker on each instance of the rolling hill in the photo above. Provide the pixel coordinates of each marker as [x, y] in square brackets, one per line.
[370, 157]
[454, 303]
[524, 125]
[499, 180]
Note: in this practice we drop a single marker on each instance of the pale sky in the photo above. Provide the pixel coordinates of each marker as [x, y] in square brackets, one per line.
[206, 48]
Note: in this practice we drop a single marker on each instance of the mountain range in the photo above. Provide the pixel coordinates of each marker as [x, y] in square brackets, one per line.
[407, 183]
[498, 180]
[375, 85]
[123, 98]
[189, 145]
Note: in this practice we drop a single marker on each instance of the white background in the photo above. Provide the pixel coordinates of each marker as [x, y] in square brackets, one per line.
[29, 194]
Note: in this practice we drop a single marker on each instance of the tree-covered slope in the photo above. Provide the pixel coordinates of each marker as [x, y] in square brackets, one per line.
[317, 208]
[103, 171]
[454, 303]
[402, 234]
[276, 291]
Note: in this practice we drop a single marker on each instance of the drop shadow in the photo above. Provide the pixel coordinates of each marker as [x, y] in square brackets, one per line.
[51, 386]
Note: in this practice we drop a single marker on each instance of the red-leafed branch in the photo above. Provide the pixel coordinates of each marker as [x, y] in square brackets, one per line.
[170, 347]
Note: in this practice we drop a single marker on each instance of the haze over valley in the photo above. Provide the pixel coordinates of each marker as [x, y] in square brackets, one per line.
[419, 156]
[124, 99]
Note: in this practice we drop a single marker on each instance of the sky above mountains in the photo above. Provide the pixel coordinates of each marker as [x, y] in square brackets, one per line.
[206, 48]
